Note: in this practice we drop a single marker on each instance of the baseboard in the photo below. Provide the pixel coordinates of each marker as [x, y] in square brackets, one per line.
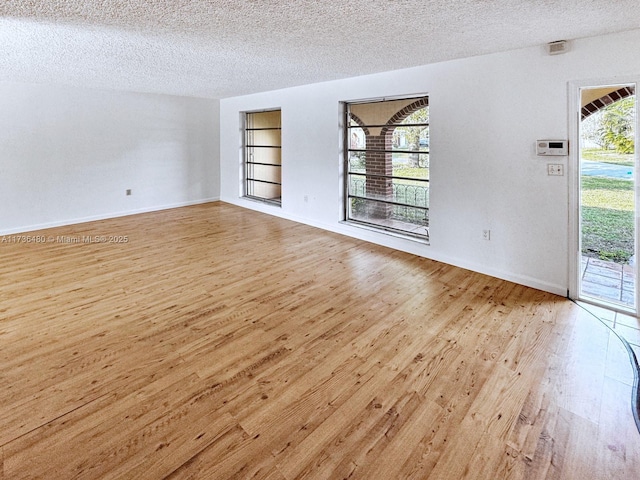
[409, 246]
[525, 280]
[93, 218]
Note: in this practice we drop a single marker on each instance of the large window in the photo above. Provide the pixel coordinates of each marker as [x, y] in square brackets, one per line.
[263, 160]
[387, 165]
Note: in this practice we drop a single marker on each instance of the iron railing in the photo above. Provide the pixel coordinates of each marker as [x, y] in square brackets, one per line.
[409, 203]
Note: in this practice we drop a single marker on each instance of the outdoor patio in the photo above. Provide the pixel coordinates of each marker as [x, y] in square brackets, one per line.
[607, 280]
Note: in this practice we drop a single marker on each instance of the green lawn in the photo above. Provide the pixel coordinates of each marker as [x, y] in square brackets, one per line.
[607, 218]
[607, 156]
[415, 172]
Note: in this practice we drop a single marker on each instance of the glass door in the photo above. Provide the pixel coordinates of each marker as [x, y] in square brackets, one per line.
[607, 231]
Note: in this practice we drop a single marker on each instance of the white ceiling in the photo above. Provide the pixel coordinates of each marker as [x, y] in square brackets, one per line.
[222, 48]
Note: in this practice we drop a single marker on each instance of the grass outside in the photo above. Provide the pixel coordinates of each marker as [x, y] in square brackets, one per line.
[607, 156]
[607, 218]
[415, 172]
[412, 172]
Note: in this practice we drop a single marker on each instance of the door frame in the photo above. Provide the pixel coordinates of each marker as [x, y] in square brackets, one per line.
[573, 172]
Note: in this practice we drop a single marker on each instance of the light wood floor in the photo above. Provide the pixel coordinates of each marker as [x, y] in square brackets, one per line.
[223, 343]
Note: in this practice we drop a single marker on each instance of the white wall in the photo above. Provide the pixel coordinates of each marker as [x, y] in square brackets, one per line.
[69, 154]
[486, 113]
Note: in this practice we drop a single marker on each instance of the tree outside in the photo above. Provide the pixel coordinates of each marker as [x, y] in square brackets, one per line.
[608, 201]
[413, 138]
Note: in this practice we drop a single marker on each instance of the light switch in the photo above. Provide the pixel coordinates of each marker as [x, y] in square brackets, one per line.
[555, 169]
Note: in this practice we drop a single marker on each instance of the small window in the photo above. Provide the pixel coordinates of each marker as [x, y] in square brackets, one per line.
[263, 159]
[387, 165]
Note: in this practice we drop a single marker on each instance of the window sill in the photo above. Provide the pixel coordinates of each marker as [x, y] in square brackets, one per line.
[388, 231]
[274, 203]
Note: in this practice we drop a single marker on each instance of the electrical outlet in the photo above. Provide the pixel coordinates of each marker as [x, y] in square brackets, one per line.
[486, 234]
[306, 199]
[555, 169]
[128, 191]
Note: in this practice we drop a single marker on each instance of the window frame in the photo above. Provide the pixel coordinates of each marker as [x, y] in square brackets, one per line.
[248, 166]
[412, 234]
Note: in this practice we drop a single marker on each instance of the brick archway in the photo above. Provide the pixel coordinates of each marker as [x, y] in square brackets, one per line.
[379, 160]
[360, 123]
[592, 107]
[403, 113]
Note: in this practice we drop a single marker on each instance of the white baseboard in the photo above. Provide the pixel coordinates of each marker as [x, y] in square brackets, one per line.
[105, 216]
[409, 246]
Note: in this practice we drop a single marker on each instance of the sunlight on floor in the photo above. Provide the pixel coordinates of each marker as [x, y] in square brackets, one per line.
[627, 326]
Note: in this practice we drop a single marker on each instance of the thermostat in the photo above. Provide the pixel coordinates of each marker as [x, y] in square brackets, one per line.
[552, 147]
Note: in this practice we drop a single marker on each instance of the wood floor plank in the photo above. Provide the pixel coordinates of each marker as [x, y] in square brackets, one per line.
[219, 342]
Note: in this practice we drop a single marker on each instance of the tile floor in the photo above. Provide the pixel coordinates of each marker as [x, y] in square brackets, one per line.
[627, 326]
[612, 281]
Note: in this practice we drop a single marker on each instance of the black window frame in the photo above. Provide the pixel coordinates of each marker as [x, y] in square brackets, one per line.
[418, 231]
[250, 165]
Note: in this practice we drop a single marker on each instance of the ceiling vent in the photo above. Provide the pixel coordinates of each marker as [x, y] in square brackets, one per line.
[558, 47]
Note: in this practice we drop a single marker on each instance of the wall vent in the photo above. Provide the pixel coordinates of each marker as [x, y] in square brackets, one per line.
[557, 47]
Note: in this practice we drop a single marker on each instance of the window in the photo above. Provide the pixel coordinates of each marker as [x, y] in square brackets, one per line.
[263, 160]
[387, 165]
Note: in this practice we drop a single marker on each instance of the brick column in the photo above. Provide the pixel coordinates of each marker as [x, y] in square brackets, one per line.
[379, 163]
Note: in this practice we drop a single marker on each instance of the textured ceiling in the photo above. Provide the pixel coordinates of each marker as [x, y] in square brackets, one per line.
[221, 48]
